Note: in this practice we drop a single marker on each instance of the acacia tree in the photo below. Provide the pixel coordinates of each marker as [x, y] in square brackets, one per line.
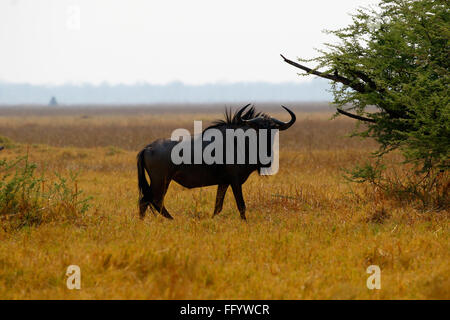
[390, 70]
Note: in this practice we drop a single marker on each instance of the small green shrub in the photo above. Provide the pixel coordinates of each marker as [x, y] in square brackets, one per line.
[26, 199]
[112, 151]
[429, 188]
[7, 143]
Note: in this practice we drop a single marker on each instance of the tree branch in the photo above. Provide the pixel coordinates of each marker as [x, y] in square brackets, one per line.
[361, 75]
[359, 87]
[355, 116]
[334, 77]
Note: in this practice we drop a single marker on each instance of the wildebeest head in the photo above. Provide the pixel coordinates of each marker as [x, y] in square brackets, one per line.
[267, 122]
[248, 119]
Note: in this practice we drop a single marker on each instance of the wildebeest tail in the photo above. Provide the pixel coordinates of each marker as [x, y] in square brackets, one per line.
[144, 187]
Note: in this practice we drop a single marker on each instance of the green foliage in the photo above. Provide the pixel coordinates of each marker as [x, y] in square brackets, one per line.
[112, 151]
[366, 172]
[26, 200]
[6, 142]
[391, 65]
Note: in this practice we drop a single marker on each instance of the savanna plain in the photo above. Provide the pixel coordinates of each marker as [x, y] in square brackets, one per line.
[310, 234]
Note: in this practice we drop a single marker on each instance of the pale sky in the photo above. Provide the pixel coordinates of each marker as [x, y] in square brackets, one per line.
[192, 41]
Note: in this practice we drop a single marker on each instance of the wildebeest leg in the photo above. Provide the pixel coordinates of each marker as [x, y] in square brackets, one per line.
[221, 190]
[237, 191]
[158, 194]
[143, 204]
[162, 210]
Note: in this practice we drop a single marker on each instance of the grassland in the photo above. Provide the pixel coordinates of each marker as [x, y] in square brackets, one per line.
[309, 235]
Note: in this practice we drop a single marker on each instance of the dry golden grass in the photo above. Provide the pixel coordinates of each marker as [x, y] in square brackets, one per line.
[309, 235]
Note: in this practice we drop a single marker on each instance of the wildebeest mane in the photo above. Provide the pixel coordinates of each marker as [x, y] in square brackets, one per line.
[231, 118]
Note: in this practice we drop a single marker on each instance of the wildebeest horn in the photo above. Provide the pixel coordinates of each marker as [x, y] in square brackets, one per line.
[239, 113]
[284, 125]
[254, 120]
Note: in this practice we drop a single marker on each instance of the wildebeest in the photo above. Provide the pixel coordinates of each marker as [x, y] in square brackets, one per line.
[156, 160]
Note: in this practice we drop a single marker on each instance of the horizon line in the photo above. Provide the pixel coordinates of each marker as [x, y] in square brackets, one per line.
[174, 82]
